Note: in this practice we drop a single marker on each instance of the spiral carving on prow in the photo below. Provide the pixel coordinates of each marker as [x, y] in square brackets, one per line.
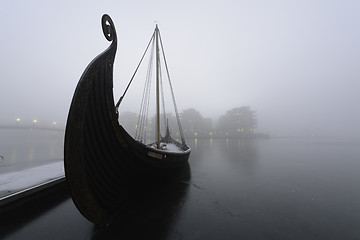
[108, 27]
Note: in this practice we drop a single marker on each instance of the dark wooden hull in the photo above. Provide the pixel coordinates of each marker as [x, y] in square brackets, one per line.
[103, 163]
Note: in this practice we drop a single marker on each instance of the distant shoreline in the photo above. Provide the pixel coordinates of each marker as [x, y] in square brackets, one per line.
[32, 128]
[251, 136]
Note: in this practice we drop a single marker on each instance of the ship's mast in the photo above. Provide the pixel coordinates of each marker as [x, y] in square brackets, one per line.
[157, 88]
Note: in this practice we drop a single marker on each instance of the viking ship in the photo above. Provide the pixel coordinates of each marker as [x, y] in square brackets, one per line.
[103, 162]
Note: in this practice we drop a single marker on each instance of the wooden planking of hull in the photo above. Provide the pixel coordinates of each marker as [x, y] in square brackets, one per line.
[103, 163]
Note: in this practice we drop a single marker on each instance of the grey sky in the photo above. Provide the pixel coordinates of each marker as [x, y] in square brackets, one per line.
[293, 62]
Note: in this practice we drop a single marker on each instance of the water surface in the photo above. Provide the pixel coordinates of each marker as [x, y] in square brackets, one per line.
[233, 189]
[272, 189]
[24, 148]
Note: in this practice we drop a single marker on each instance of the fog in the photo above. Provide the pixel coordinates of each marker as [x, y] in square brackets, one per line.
[295, 63]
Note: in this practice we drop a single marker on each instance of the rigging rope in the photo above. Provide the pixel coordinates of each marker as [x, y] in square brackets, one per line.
[162, 98]
[132, 78]
[144, 108]
[172, 94]
[141, 128]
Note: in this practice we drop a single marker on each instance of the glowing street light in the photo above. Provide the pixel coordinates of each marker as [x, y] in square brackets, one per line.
[18, 121]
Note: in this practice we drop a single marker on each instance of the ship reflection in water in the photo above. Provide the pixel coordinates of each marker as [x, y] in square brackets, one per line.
[253, 189]
[152, 210]
[304, 188]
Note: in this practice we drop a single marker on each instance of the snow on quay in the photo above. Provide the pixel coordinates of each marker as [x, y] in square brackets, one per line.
[15, 181]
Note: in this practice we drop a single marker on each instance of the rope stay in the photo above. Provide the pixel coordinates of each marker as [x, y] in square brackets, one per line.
[132, 78]
[173, 95]
[142, 123]
[144, 108]
[162, 99]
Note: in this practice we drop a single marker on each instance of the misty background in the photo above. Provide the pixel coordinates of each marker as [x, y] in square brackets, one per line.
[293, 62]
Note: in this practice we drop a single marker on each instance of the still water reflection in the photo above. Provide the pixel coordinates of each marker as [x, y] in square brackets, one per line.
[152, 212]
[26, 148]
[253, 189]
[29, 157]
[272, 189]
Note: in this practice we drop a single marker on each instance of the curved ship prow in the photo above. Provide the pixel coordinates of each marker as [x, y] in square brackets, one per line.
[101, 159]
